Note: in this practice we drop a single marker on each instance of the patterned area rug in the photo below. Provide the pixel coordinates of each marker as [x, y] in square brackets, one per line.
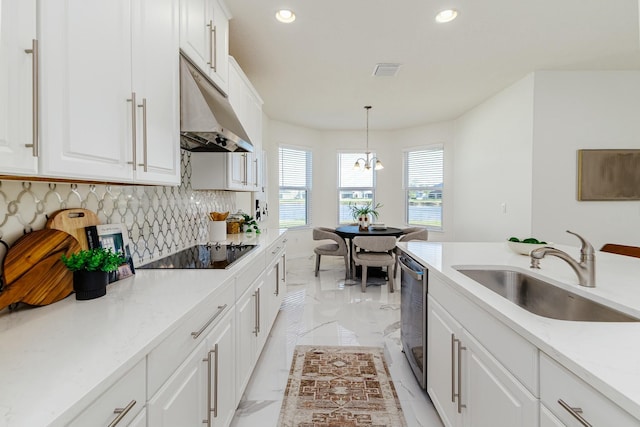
[340, 387]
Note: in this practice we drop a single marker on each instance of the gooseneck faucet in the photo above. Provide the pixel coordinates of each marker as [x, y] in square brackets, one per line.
[585, 269]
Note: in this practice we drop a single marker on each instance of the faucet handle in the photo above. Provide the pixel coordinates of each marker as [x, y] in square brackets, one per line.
[586, 247]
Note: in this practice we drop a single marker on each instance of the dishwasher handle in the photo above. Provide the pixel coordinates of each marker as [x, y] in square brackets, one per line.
[412, 268]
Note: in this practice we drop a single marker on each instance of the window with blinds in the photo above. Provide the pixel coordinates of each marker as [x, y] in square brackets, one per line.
[355, 186]
[295, 187]
[423, 182]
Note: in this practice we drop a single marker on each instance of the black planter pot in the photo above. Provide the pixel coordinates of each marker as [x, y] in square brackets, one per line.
[90, 284]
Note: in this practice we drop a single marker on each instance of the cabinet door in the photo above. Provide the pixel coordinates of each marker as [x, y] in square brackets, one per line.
[17, 32]
[123, 400]
[219, 66]
[547, 419]
[140, 420]
[237, 170]
[442, 370]
[156, 83]
[493, 397]
[85, 91]
[246, 336]
[223, 396]
[181, 401]
[195, 31]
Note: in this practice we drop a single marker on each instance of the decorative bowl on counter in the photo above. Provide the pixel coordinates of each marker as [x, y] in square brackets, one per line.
[526, 248]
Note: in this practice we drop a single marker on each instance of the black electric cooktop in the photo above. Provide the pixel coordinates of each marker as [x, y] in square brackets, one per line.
[202, 256]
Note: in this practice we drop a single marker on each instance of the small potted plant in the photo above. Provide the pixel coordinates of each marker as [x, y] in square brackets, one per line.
[363, 213]
[91, 268]
[250, 224]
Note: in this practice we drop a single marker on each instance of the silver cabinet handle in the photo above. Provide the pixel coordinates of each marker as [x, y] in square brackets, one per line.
[258, 308]
[275, 251]
[215, 384]
[122, 412]
[132, 100]
[144, 163]
[206, 325]
[575, 412]
[453, 375]
[277, 267]
[214, 351]
[255, 310]
[246, 170]
[256, 328]
[35, 113]
[284, 268]
[213, 39]
[460, 404]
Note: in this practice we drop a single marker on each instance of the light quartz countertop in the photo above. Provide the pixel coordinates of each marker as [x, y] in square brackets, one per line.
[605, 355]
[57, 359]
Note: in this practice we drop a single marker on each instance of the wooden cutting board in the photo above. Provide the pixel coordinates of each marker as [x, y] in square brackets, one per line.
[33, 271]
[73, 221]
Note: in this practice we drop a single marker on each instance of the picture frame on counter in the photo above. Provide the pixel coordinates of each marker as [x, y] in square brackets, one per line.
[114, 237]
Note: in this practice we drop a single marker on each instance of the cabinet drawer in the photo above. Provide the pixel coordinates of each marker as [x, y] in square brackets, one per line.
[275, 249]
[171, 352]
[126, 395]
[558, 384]
[249, 274]
[518, 355]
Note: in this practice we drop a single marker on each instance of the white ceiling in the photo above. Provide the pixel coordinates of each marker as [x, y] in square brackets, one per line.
[317, 71]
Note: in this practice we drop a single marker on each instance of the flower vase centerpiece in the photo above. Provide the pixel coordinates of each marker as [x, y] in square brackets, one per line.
[363, 213]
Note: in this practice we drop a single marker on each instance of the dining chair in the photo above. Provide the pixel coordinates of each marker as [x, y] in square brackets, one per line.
[613, 248]
[339, 248]
[377, 251]
[410, 233]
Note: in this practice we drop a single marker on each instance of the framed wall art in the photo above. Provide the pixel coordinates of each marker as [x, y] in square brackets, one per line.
[608, 175]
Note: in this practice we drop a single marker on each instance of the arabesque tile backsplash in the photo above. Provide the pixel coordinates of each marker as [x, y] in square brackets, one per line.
[159, 219]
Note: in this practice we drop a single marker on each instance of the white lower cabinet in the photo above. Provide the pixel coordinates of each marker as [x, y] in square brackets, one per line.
[252, 333]
[139, 421]
[576, 403]
[468, 386]
[120, 404]
[201, 391]
[547, 419]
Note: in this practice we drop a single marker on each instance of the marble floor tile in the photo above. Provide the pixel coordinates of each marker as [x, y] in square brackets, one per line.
[327, 310]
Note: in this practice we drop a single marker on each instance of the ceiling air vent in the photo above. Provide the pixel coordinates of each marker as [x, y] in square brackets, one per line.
[386, 70]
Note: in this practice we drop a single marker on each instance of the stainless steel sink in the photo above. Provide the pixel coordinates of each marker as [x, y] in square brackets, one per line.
[543, 298]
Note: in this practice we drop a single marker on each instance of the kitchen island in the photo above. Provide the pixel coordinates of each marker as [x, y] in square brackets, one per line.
[60, 359]
[602, 358]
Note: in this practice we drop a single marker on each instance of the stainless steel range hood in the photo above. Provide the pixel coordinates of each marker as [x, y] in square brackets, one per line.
[207, 120]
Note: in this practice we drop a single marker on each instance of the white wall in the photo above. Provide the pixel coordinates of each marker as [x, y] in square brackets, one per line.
[516, 149]
[493, 167]
[388, 146]
[575, 110]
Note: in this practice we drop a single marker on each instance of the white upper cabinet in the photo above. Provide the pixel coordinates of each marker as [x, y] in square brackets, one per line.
[246, 102]
[204, 37]
[109, 90]
[86, 108]
[17, 35]
[156, 81]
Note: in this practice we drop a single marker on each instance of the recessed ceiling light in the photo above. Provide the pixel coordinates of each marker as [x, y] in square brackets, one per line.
[286, 16]
[446, 15]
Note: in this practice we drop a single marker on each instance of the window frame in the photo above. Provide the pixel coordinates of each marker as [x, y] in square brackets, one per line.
[306, 188]
[340, 189]
[405, 178]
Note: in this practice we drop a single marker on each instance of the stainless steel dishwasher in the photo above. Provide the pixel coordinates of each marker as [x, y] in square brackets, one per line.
[413, 328]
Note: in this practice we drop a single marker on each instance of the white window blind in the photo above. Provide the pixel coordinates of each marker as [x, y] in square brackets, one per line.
[355, 186]
[424, 184]
[295, 187]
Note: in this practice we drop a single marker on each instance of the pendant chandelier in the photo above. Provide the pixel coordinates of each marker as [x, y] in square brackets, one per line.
[369, 161]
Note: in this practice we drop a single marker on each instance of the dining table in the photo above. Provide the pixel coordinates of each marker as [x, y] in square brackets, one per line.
[348, 232]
